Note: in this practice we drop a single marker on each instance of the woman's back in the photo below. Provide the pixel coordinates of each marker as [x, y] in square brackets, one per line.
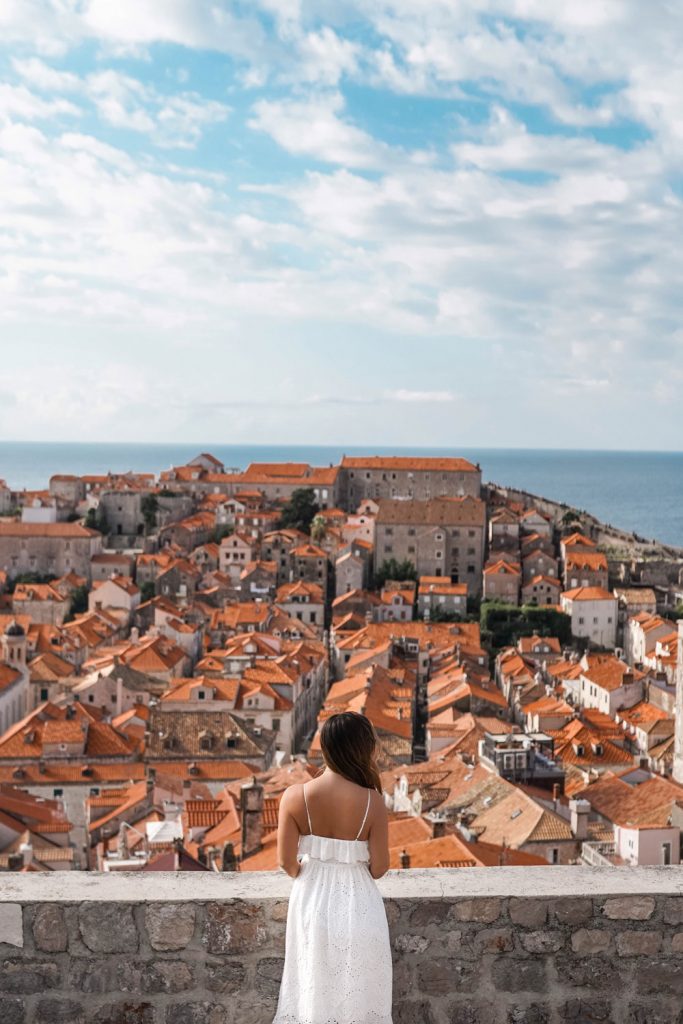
[335, 808]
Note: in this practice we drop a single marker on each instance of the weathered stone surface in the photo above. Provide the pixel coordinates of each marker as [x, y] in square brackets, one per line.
[12, 1011]
[279, 911]
[542, 941]
[589, 941]
[629, 908]
[11, 925]
[393, 912]
[170, 926]
[414, 1013]
[49, 929]
[534, 1013]
[637, 943]
[649, 1013]
[484, 910]
[658, 975]
[235, 927]
[673, 910]
[528, 913]
[677, 943]
[599, 973]
[268, 975]
[442, 975]
[125, 1013]
[199, 1013]
[512, 974]
[108, 928]
[572, 910]
[582, 1011]
[119, 974]
[27, 977]
[406, 943]
[463, 1013]
[59, 1011]
[225, 976]
[429, 912]
[494, 940]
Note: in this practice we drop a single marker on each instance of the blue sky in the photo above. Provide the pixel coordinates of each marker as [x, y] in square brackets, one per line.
[438, 222]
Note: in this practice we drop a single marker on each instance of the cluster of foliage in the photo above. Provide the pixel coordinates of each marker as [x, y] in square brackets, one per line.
[79, 601]
[147, 591]
[318, 528]
[29, 577]
[219, 532]
[166, 493]
[149, 506]
[96, 519]
[503, 624]
[391, 569]
[300, 511]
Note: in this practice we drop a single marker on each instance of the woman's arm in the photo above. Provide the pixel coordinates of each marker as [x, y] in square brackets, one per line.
[378, 840]
[287, 835]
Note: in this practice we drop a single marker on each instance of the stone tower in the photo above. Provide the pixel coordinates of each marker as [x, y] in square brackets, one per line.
[252, 817]
[678, 749]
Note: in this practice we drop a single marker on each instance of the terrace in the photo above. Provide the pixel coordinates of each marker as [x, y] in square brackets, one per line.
[471, 946]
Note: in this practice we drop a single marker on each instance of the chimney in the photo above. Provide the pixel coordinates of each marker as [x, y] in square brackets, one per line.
[15, 861]
[119, 695]
[252, 817]
[404, 859]
[556, 794]
[229, 858]
[438, 828]
[579, 810]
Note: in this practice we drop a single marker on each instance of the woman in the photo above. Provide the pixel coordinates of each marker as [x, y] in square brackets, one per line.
[333, 841]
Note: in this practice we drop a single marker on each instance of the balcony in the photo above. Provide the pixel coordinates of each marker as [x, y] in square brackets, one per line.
[599, 855]
[471, 946]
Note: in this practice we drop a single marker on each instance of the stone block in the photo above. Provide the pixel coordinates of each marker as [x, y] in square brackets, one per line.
[414, 1013]
[12, 1010]
[406, 943]
[649, 1013]
[494, 940]
[225, 976]
[125, 1013]
[463, 1013]
[28, 977]
[108, 927]
[673, 910]
[629, 908]
[235, 927]
[572, 910]
[534, 1013]
[586, 1011]
[59, 1011]
[49, 929]
[512, 974]
[483, 910]
[659, 976]
[443, 975]
[393, 911]
[278, 911]
[269, 975]
[599, 973]
[170, 926]
[199, 1013]
[11, 925]
[677, 943]
[121, 974]
[542, 941]
[638, 943]
[591, 941]
[528, 912]
[429, 912]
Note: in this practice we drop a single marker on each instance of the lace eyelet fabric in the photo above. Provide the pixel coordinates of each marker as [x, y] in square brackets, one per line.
[338, 966]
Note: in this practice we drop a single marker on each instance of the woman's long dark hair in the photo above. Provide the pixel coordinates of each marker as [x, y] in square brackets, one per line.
[348, 743]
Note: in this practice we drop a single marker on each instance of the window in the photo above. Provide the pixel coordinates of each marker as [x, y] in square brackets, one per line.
[581, 621]
[388, 549]
[471, 551]
[44, 693]
[439, 536]
[666, 853]
[57, 792]
[276, 725]
[554, 855]
[201, 695]
[439, 554]
[411, 531]
[470, 533]
[389, 531]
[508, 760]
[471, 569]
[411, 549]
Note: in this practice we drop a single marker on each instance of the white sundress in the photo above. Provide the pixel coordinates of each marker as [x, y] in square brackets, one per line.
[337, 955]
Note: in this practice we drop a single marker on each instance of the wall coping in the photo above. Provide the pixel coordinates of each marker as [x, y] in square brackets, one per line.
[428, 883]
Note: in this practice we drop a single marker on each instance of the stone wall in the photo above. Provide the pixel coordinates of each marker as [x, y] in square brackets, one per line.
[471, 946]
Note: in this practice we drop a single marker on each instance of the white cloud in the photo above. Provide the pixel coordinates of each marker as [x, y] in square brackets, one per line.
[406, 395]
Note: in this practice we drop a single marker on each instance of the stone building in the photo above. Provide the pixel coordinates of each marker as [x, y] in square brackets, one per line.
[441, 537]
[678, 748]
[382, 478]
[47, 548]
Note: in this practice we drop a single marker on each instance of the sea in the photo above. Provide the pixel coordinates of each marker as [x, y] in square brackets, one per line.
[639, 491]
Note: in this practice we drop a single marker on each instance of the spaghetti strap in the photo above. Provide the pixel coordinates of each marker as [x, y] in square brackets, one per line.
[308, 813]
[365, 817]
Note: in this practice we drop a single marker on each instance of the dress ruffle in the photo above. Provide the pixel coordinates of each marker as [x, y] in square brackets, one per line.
[342, 851]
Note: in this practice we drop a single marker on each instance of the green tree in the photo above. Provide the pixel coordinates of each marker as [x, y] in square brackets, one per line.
[147, 591]
[219, 532]
[506, 623]
[96, 519]
[149, 506]
[391, 569]
[318, 528]
[79, 601]
[300, 510]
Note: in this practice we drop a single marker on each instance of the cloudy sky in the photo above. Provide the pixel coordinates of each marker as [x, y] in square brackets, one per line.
[433, 222]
